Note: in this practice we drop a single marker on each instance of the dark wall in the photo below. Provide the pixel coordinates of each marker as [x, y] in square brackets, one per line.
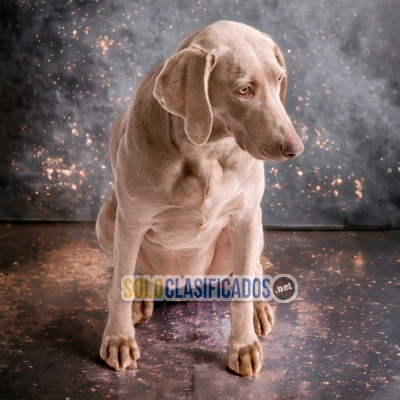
[68, 68]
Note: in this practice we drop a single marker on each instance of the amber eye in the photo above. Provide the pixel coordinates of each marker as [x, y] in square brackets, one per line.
[244, 91]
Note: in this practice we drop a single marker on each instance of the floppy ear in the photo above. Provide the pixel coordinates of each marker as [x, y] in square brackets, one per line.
[281, 61]
[182, 89]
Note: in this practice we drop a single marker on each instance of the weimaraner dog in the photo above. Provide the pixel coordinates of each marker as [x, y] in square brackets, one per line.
[188, 156]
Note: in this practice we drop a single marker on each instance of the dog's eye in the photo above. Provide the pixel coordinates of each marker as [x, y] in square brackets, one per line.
[280, 79]
[245, 91]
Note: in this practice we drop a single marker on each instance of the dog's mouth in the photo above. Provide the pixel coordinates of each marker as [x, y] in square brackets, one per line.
[265, 154]
[258, 152]
[279, 154]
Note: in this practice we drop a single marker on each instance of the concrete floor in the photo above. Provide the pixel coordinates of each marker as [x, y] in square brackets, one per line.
[339, 339]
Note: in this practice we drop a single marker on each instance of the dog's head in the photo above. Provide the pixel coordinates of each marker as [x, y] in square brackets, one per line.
[235, 73]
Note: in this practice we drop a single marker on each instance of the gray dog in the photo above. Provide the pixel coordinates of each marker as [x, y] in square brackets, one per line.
[187, 157]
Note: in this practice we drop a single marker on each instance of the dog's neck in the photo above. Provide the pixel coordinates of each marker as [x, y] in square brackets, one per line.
[221, 145]
[218, 131]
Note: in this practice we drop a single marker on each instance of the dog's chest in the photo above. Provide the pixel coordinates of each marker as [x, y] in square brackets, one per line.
[198, 204]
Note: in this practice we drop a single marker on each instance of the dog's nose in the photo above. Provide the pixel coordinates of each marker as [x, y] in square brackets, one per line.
[292, 149]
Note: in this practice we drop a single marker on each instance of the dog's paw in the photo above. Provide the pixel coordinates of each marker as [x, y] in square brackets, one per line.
[142, 310]
[120, 352]
[245, 360]
[263, 318]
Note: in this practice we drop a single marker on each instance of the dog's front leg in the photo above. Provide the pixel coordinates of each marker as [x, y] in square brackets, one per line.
[119, 348]
[244, 352]
[263, 317]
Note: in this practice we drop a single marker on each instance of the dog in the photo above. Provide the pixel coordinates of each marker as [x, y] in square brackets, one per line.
[187, 156]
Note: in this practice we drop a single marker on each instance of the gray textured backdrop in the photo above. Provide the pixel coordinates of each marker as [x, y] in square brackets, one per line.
[69, 67]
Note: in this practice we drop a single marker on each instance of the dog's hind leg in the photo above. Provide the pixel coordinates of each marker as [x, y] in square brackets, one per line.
[105, 225]
[142, 309]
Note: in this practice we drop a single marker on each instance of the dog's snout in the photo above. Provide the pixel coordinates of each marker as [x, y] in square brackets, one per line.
[292, 149]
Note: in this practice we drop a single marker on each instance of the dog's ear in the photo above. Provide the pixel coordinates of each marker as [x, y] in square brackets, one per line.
[182, 89]
[281, 61]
